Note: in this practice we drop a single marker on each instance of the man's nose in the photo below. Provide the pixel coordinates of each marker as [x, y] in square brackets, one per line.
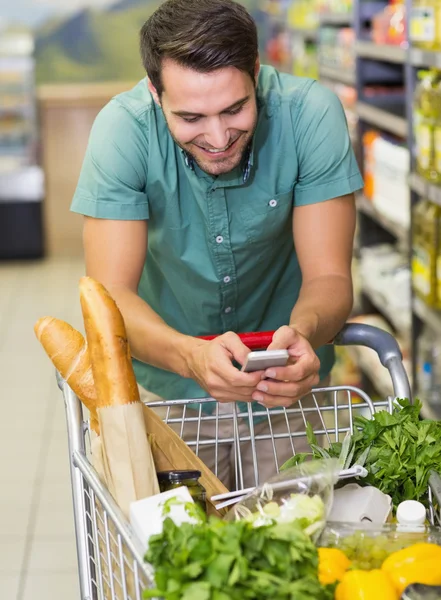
[217, 134]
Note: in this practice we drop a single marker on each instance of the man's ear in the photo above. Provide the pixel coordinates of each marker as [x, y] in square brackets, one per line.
[153, 92]
[257, 70]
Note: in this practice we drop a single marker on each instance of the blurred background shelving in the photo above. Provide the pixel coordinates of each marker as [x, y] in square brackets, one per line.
[381, 58]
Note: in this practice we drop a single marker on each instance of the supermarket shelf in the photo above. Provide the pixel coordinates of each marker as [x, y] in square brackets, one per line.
[428, 315]
[366, 207]
[425, 188]
[384, 52]
[344, 19]
[341, 75]
[395, 317]
[309, 35]
[382, 118]
[425, 58]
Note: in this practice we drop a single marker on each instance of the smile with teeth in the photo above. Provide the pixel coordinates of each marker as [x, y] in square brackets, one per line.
[218, 150]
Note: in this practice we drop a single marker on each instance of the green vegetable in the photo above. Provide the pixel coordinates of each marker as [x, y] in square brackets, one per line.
[399, 450]
[233, 560]
[308, 512]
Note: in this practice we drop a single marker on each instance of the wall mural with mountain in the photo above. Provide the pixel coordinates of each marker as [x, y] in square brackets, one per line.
[97, 42]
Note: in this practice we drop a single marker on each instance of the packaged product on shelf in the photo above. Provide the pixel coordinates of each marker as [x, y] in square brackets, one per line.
[391, 167]
[427, 125]
[389, 25]
[425, 244]
[368, 139]
[425, 24]
[303, 14]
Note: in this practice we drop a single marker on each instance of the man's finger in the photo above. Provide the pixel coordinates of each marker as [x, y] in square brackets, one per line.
[288, 389]
[304, 366]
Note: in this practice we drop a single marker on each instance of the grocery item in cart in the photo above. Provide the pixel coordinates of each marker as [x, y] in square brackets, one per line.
[368, 545]
[67, 349]
[170, 480]
[399, 451]
[302, 494]
[62, 344]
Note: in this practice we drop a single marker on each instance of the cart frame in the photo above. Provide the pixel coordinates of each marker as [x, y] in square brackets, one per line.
[110, 557]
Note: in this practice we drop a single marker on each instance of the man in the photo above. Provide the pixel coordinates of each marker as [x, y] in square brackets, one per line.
[218, 197]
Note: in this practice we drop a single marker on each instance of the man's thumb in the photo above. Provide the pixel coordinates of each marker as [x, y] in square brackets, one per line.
[233, 343]
[283, 338]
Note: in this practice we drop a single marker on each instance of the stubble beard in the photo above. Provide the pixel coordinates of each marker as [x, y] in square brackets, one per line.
[222, 165]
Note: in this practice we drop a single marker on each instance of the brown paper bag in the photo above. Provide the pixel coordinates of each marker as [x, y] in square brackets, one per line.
[127, 461]
[122, 457]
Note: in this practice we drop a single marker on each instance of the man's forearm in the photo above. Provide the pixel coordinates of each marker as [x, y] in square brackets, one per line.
[322, 309]
[151, 340]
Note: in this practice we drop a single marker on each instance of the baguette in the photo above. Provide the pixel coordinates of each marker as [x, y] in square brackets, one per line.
[67, 349]
[109, 351]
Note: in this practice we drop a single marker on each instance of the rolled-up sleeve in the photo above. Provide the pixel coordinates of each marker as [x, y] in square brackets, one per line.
[113, 176]
[327, 163]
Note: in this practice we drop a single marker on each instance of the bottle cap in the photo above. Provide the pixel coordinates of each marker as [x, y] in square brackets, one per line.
[411, 512]
[177, 476]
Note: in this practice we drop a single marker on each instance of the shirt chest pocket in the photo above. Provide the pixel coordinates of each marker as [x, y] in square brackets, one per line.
[266, 218]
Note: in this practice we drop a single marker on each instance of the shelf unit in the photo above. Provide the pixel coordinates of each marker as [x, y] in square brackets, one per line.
[337, 75]
[21, 177]
[366, 207]
[384, 65]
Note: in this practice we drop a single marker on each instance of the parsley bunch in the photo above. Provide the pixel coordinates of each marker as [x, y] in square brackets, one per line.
[399, 451]
[232, 560]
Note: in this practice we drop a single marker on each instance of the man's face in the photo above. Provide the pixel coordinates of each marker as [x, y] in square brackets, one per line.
[212, 116]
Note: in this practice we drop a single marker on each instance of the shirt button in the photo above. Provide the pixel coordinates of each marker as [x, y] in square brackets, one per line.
[273, 203]
[228, 310]
[227, 279]
[219, 239]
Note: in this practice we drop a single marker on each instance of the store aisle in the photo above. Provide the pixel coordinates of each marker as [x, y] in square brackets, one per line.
[37, 544]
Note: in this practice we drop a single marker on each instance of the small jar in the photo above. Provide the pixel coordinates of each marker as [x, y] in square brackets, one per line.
[169, 480]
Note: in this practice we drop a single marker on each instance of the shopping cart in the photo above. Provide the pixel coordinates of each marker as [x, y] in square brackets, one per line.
[110, 557]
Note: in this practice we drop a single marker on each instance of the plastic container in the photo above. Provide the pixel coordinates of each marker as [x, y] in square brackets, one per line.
[427, 118]
[425, 244]
[368, 545]
[170, 480]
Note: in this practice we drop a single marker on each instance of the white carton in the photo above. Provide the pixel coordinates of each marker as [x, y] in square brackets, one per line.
[146, 516]
[355, 504]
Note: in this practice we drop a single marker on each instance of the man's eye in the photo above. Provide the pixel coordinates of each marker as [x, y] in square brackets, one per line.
[234, 111]
[191, 119]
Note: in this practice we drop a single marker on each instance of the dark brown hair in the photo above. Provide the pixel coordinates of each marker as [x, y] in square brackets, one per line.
[203, 35]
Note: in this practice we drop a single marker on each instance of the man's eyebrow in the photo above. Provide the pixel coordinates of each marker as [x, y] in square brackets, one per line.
[184, 113]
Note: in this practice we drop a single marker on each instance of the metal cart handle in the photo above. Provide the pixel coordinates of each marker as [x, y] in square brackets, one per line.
[353, 334]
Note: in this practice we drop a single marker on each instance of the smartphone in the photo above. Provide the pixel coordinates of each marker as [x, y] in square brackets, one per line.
[265, 359]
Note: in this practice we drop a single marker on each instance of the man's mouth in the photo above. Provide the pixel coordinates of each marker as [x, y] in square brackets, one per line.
[218, 151]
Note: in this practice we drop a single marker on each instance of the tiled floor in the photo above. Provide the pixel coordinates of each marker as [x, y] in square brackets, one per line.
[37, 544]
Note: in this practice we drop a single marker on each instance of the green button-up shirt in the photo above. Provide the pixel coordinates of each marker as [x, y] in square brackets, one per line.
[220, 249]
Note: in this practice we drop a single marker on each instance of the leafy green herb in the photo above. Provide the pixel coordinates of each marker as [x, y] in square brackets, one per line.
[232, 560]
[399, 450]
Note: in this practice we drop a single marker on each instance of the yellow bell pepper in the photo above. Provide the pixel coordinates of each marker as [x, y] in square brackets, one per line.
[420, 563]
[365, 585]
[333, 564]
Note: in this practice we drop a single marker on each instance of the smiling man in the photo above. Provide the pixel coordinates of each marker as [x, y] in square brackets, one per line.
[218, 196]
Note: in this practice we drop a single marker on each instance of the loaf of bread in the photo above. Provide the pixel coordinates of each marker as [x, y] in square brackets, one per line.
[109, 351]
[67, 349]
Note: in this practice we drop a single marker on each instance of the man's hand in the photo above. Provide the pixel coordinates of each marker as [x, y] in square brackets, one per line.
[286, 385]
[210, 363]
